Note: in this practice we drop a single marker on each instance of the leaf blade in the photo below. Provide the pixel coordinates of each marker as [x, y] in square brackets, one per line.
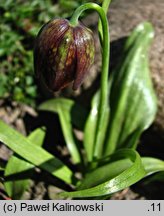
[33, 153]
[132, 98]
[63, 108]
[91, 126]
[78, 113]
[121, 181]
[16, 187]
[37, 136]
[152, 165]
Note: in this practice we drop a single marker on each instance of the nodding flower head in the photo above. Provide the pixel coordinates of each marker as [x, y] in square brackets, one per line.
[63, 54]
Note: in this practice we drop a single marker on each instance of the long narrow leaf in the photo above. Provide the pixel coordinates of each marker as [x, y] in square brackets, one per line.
[37, 136]
[33, 153]
[105, 173]
[114, 167]
[77, 112]
[15, 166]
[14, 187]
[132, 99]
[126, 178]
[64, 109]
[90, 127]
[152, 165]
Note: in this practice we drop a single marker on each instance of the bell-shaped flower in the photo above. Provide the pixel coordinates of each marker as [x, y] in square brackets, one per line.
[63, 54]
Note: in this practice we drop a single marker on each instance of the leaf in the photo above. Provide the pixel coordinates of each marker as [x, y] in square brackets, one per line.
[77, 112]
[105, 173]
[34, 154]
[63, 107]
[132, 99]
[14, 187]
[37, 136]
[152, 165]
[90, 127]
[17, 168]
[124, 179]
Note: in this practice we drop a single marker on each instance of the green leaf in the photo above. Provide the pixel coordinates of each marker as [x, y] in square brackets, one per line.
[34, 154]
[64, 108]
[77, 112]
[37, 136]
[17, 167]
[16, 187]
[105, 173]
[90, 127]
[152, 165]
[132, 98]
[124, 179]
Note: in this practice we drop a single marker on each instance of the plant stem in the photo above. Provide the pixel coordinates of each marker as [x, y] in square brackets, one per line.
[105, 67]
[105, 6]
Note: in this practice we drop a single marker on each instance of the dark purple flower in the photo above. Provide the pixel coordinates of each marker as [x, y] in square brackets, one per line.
[63, 54]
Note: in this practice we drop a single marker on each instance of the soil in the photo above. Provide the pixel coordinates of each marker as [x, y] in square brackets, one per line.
[123, 16]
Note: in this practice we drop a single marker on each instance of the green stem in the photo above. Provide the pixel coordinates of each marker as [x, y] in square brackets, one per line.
[105, 68]
[105, 6]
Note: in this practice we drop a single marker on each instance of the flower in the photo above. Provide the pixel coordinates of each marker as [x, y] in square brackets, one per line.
[63, 54]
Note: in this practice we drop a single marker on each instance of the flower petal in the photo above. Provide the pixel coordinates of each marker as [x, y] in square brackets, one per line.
[85, 53]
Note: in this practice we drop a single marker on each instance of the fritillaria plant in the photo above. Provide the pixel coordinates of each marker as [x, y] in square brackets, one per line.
[64, 52]
[122, 108]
